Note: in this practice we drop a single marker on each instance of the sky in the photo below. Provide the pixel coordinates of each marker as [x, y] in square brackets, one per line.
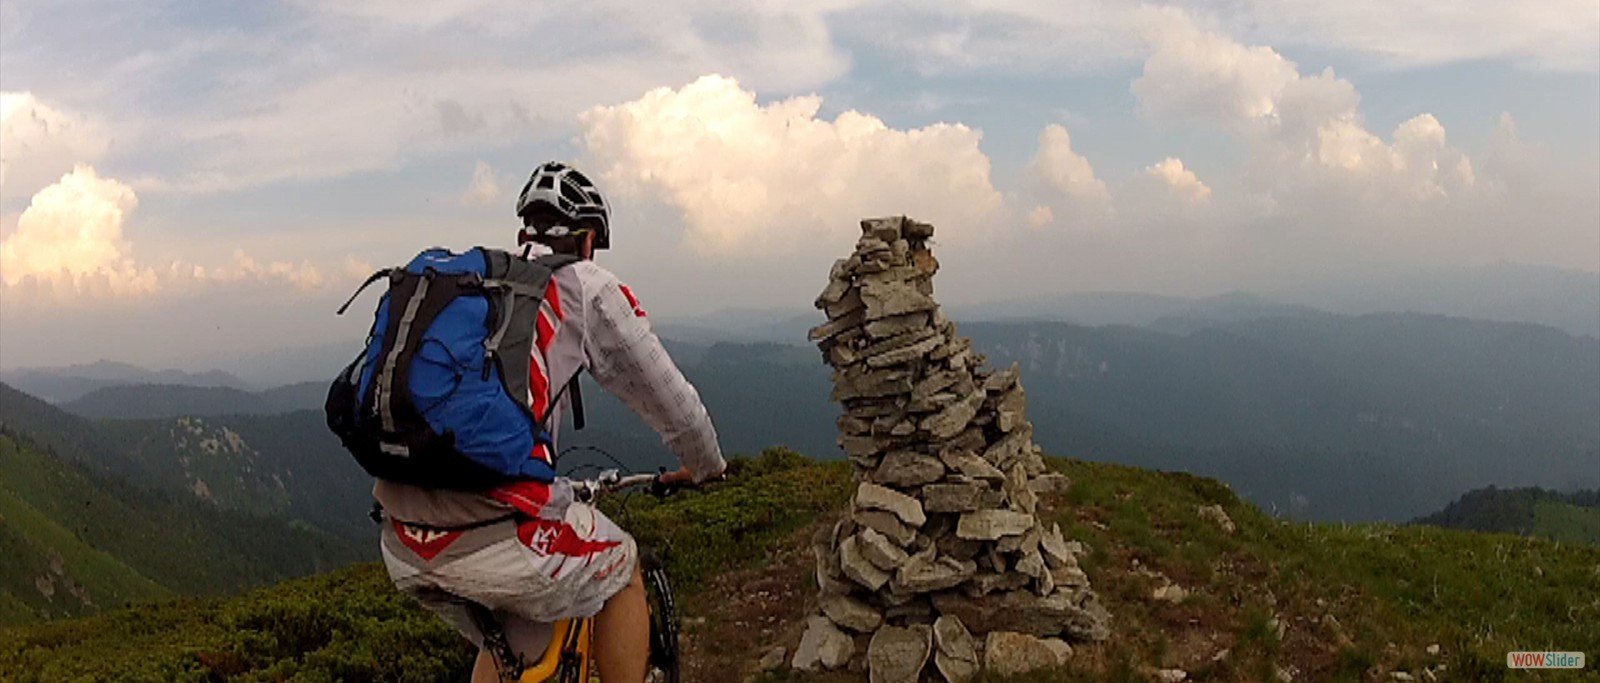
[189, 179]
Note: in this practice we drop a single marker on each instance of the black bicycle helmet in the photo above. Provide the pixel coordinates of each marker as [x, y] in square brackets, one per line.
[559, 200]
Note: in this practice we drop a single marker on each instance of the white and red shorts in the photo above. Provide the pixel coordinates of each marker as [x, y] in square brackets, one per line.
[565, 563]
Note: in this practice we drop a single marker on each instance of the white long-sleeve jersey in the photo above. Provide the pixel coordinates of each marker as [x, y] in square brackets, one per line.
[589, 321]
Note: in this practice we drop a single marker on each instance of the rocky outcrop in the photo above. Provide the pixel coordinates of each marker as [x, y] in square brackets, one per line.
[942, 549]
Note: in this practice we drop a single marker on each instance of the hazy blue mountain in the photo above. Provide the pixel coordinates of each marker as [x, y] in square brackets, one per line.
[1333, 417]
[59, 385]
[1384, 416]
[144, 401]
[1562, 298]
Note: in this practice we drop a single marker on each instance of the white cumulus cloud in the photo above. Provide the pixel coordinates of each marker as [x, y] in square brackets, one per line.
[70, 239]
[1179, 182]
[1063, 183]
[39, 142]
[749, 177]
[1307, 141]
[69, 247]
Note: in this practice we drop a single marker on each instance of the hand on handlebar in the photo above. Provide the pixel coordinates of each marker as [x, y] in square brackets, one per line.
[667, 482]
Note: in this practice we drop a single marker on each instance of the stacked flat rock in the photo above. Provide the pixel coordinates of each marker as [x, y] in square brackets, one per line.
[942, 527]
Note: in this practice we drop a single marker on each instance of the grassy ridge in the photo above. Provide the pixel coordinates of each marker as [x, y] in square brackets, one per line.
[1321, 602]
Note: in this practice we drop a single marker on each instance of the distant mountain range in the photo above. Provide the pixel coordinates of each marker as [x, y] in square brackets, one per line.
[136, 401]
[1567, 517]
[1315, 415]
[58, 385]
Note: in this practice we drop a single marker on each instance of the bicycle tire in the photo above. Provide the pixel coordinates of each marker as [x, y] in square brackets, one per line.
[664, 653]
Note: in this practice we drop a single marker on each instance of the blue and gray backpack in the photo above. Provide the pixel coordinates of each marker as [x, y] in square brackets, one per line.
[438, 398]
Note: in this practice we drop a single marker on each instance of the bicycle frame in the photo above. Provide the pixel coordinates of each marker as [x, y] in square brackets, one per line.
[570, 644]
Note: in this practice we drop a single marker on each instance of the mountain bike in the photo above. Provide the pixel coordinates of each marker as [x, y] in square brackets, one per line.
[561, 652]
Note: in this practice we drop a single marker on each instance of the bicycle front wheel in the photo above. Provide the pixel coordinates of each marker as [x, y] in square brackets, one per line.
[664, 654]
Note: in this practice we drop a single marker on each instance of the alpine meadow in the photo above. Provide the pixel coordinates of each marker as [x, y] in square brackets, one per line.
[1166, 341]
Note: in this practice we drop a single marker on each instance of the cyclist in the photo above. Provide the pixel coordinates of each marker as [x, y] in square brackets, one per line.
[529, 549]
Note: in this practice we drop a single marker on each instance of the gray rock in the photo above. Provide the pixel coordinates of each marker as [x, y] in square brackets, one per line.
[1216, 514]
[908, 468]
[851, 613]
[1071, 577]
[988, 525]
[1022, 498]
[1010, 654]
[836, 325]
[956, 651]
[925, 574]
[1079, 615]
[1002, 381]
[885, 299]
[858, 568]
[898, 655]
[1012, 409]
[1012, 448]
[900, 341]
[984, 583]
[903, 354]
[897, 325]
[822, 647]
[961, 497]
[954, 418]
[1054, 546]
[969, 464]
[887, 524]
[879, 550]
[955, 670]
[860, 446]
[849, 303]
[886, 229]
[952, 638]
[916, 230]
[858, 381]
[934, 383]
[870, 496]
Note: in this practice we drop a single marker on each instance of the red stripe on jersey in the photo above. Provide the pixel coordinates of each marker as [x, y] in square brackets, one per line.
[552, 294]
[539, 386]
[551, 537]
[528, 497]
[632, 300]
[546, 332]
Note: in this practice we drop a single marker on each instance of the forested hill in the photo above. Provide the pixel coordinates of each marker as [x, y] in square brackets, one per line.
[1567, 517]
[86, 522]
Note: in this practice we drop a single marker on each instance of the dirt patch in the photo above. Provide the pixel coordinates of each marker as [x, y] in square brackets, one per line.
[738, 616]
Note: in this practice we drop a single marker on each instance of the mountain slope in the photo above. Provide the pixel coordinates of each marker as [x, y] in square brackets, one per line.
[141, 540]
[1317, 602]
[283, 464]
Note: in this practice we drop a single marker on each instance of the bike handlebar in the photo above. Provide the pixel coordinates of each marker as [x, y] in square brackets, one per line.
[610, 481]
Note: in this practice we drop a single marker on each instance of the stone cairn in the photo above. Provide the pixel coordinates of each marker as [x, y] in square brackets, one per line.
[942, 557]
